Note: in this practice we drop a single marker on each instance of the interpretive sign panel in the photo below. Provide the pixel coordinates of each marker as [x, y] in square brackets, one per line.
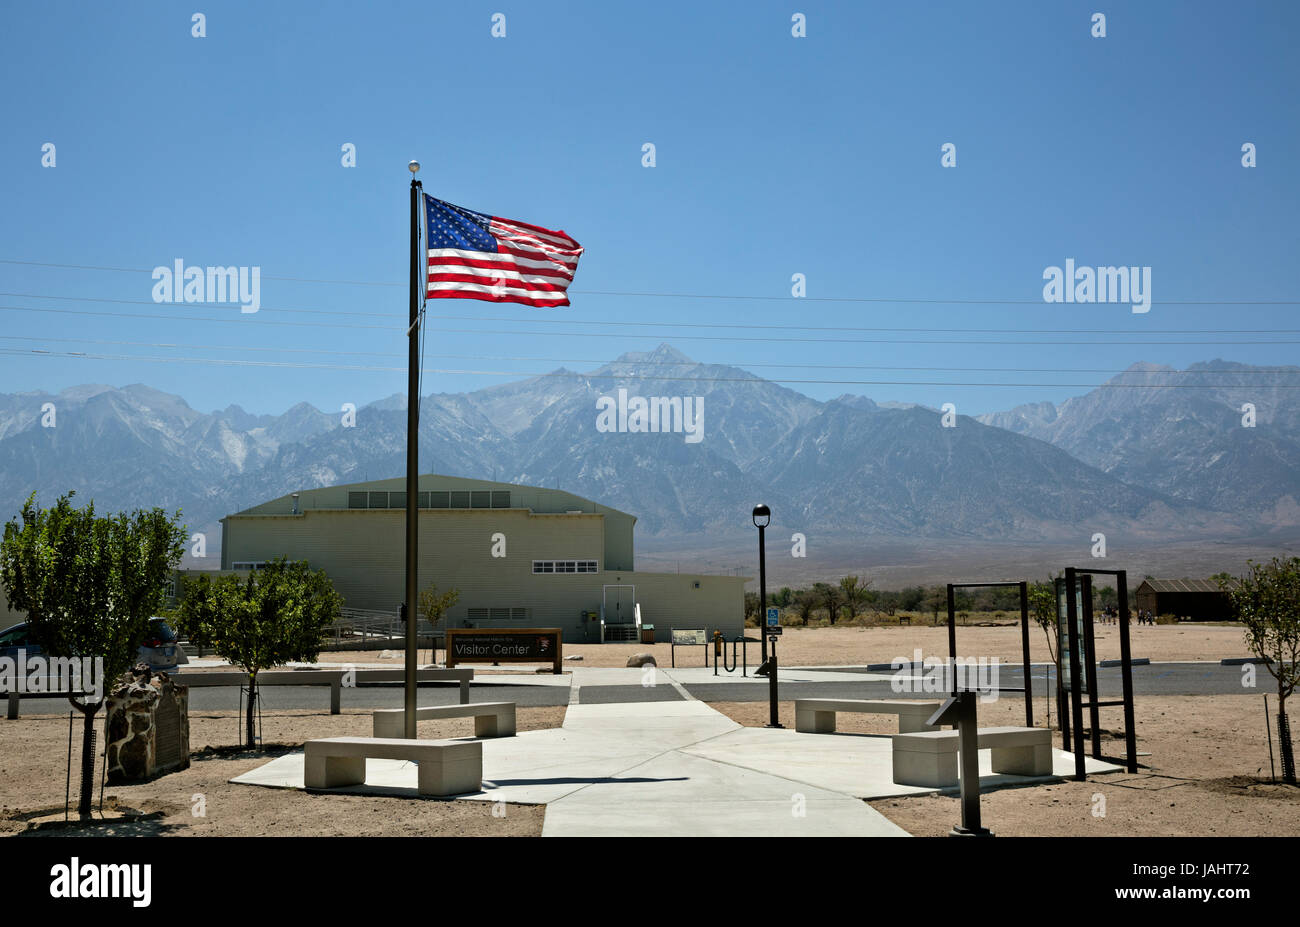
[505, 645]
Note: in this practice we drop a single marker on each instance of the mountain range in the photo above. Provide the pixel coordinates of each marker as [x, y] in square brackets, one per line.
[1153, 453]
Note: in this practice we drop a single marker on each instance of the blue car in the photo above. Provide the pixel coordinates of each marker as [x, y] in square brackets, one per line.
[160, 649]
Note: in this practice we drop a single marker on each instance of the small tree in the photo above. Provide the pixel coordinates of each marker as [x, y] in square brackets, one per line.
[278, 614]
[804, 602]
[1268, 603]
[89, 585]
[434, 605]
[830, 598]
[1042, 605]
[854, 593]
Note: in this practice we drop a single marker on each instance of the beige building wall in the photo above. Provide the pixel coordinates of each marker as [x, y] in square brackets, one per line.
[363, 552]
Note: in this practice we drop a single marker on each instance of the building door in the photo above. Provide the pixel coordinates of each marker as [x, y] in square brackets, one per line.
[620, 604]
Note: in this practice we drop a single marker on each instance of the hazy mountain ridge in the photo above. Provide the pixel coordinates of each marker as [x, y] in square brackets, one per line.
[1137, 462]
[1182, 433]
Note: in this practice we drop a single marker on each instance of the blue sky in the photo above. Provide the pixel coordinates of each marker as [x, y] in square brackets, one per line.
[775, 155]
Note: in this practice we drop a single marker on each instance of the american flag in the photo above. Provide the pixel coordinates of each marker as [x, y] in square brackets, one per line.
[475, 256]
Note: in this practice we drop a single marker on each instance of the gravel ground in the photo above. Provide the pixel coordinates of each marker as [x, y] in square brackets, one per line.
[35, 760]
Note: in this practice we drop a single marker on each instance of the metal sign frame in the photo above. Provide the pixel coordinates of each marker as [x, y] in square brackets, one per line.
[1078, 576]
[1024, 640]
[673, 644]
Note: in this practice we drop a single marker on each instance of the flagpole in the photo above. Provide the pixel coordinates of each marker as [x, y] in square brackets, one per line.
[412, 459]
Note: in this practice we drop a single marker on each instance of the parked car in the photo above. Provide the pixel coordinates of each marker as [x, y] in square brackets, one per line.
[160, 649]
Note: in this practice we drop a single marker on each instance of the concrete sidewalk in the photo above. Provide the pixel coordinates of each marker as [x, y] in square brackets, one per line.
[675, 768]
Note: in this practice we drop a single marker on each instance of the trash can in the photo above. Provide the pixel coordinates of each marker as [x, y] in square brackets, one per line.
[647, 634]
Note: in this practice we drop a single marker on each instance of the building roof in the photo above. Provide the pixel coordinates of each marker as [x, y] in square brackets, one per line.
[540, 500]
[1183, 585]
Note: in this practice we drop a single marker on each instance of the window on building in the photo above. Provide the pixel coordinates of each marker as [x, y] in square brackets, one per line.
[460, 500]
[565, 566]
[397, 500]
[248, 564]
[379, 500]
[358, 500]
[439, 500]
[501, 500]
[480, 500]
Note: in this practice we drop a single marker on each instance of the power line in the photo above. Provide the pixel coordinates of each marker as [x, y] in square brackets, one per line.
[620, 293]
[743, 326]
[194, 318]
[652, 337]
[231, 362]
[578, 360]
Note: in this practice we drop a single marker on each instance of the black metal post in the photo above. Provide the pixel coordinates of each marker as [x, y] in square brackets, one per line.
[1072, 630]
[413, 461]
[762, 591]
[1126, 670]
[952, 636]
[959, 710]
[1024, 648]
[771, 689]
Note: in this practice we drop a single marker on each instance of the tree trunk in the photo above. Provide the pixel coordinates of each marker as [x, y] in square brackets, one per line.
[250, 729]
[87, 757]
[1284, 741]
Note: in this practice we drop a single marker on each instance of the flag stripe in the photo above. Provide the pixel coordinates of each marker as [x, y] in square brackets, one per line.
[487, 273]
[500, 280]
[504, 261]
[559, 239]
[537, 302]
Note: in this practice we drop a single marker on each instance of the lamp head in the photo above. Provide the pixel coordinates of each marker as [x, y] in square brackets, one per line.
[762, 516]
[413, 167]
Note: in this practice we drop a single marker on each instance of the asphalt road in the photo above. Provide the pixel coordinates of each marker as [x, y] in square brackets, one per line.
[1159, 679]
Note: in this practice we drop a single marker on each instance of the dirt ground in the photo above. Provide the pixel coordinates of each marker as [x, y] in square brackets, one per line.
[34, 759]
[859, 646]
[1207, 775]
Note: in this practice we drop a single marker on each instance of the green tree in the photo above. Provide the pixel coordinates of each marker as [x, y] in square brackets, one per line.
[854, 592]
[830, 598]
[88, 585]
[805, 601]
[1267, 602]
[434, 605]
[1042, 607]
[279, 614]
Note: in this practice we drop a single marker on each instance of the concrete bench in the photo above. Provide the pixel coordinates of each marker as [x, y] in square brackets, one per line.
[817, 715]
[447, 767]
[491, 719]
[929, 758]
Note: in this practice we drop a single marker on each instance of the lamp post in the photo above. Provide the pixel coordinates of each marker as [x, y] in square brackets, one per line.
[762, 518]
